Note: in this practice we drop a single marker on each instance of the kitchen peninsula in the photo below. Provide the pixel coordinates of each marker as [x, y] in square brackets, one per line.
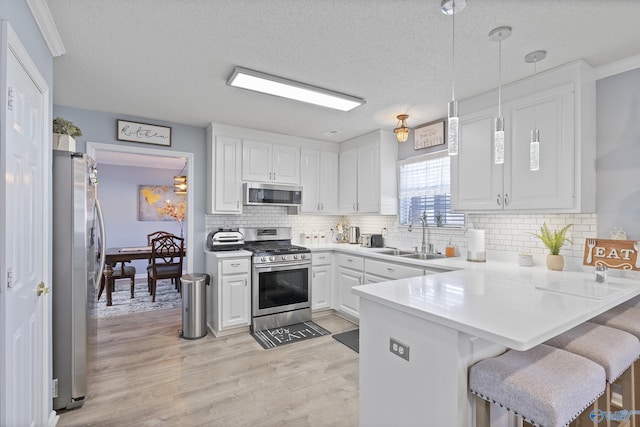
[446, 322]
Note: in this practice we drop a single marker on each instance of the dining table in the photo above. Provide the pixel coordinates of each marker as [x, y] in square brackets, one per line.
[122, 254]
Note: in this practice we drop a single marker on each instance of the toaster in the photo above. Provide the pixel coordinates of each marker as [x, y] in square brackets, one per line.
[376, 241]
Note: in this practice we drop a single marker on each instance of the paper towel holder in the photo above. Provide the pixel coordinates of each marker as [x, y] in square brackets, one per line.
[475, 250]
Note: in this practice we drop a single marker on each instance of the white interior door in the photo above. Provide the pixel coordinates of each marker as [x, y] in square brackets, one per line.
[24, 376]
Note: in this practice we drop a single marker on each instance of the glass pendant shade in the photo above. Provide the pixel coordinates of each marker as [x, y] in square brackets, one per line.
[452, 128]
[402, 131]
[498, 141]
[534, 151]
[180, 184]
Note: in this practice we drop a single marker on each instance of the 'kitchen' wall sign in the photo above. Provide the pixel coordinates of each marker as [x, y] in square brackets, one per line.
[143, 132]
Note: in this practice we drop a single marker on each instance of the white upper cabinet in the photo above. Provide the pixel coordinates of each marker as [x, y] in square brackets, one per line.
[368, 179]
[224, 163]
[563, 110]
[319, 180]
[274, 163]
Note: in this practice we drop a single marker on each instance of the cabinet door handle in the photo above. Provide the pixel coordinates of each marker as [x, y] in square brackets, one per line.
[499, 200]
[354, 206]
[314, 274]
[245, 282]
[321, 206]
[274, 176]
[322, 257]
[391, 269]
[237, 203]
[357, 206]
[506, 200]
[349, 260]
[360, 280]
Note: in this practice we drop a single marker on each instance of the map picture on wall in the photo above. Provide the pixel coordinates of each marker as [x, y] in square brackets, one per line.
[159, 203]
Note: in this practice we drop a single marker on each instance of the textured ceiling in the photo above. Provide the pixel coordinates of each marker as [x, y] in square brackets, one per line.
[169, 60]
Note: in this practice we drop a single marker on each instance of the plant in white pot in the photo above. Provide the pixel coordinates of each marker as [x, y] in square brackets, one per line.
[554, 242]
[64, 132]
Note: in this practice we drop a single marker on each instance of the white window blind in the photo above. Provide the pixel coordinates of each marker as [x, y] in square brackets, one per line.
[425, 185]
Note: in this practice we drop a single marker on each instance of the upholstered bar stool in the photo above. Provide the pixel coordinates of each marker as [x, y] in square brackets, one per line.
[625, 318]
[545, 386]
[613, 349]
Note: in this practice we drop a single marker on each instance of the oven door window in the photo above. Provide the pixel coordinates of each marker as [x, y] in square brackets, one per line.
[282, 288]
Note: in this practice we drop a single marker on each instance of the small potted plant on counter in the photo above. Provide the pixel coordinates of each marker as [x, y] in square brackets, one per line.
[64, 132]
[554, 242]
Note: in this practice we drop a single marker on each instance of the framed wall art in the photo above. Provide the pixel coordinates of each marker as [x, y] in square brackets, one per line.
[143, 132]
[429, 135]
[155, 203]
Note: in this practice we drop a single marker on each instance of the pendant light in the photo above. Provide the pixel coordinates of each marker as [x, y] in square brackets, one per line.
[401, 130]
[451, 7]
[499, 34]
[534, 144]
[180, 182]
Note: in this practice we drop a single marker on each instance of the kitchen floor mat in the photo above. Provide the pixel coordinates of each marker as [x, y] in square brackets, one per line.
[350, 338]
[271, 338]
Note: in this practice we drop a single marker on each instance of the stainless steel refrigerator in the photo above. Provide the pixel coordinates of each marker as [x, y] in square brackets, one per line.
[78, 261]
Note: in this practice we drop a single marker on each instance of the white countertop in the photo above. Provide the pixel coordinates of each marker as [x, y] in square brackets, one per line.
[518, 307]
[228, 254]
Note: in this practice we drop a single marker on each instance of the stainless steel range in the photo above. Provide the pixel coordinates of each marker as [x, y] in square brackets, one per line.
[281, 278]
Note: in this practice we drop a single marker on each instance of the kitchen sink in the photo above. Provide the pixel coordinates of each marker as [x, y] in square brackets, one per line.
[396, 252]
[417, 255]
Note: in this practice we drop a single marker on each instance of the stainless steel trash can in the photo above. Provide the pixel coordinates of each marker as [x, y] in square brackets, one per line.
[194, 308]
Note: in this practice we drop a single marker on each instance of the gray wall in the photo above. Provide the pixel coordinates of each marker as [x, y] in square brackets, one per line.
[618, 154]
[119, 201]
[101, 127]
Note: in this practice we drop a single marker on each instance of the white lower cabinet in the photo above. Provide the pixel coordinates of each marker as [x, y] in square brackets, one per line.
[350, 274]
[321, 280]
[229, 296]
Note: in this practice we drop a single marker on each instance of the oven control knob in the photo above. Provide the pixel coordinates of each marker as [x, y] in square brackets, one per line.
[284, 257]
[302, 256]
[263, 259]
[295, 257]
[272, 258]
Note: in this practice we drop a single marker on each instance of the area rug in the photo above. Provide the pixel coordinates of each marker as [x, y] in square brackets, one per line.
[166, 297]
[271, 338]
[351, 339]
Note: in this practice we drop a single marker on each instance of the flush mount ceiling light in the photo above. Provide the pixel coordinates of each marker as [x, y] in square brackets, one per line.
[499, 34]
[285, 88]
[534, 144]
[451, 7]
[401, 130]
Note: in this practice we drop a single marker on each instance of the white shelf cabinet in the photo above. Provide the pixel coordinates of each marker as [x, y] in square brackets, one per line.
[229, 296]
[224, 165]
[274, 163]
[322, 279]
[562, 109]
[319, 180]
[368, 180]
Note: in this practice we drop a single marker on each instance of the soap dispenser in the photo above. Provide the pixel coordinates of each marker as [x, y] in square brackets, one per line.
[450, 250]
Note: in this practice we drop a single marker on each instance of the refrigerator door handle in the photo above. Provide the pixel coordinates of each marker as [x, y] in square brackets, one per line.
[103, 247]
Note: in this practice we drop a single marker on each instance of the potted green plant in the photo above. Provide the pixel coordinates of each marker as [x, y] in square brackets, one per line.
[64, 132]
[554, 242]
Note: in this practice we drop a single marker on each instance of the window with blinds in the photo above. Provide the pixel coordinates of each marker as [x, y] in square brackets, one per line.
[425, 185]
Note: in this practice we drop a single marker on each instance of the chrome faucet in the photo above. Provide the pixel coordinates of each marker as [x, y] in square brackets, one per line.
[427, 248]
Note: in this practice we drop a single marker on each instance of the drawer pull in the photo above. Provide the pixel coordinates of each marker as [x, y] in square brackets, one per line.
[391, 269]
[235, 264]
[349, 260]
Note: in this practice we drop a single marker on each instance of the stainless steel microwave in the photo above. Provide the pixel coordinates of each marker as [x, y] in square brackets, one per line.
[257, 193]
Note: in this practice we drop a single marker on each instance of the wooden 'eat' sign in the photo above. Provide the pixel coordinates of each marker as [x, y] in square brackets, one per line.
[618, 254]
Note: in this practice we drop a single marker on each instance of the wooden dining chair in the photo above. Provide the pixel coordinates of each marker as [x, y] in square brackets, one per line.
[122, 272]
[167, 253]
[152, 236]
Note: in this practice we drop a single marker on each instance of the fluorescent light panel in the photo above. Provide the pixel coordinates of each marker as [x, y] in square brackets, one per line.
[279, 86]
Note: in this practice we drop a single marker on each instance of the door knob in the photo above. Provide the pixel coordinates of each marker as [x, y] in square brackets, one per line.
[42, 289]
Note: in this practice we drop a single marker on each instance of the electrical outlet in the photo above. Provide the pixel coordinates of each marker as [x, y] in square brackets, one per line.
[399, 349]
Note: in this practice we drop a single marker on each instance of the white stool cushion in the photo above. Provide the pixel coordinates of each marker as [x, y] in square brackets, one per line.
[611, 348]
[621, 317]
[544, 385]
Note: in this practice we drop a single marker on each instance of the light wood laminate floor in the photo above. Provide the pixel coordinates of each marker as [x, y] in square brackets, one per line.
[146, 375]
